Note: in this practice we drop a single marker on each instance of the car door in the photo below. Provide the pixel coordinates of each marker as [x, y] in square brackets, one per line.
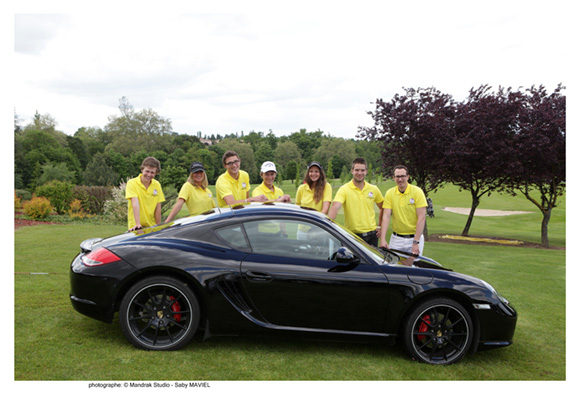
[293, 280]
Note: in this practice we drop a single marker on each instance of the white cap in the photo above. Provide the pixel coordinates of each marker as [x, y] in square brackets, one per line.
[268, 166]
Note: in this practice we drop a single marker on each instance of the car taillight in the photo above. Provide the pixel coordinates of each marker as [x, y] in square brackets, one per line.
[99, 257]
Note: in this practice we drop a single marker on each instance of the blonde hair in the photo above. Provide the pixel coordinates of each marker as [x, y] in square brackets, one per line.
[204, 182]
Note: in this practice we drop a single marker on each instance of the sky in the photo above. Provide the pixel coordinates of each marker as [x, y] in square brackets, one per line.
[318, 65]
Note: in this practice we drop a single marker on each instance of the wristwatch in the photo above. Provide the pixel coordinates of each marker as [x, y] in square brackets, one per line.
[416, 242]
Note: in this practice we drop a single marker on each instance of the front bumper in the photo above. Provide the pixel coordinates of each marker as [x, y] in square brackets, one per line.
[497, 326]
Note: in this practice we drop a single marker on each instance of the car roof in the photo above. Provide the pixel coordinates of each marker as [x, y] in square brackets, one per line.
[251, 210]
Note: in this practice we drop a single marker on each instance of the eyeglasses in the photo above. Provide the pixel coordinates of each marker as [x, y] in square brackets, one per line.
[401, 176]
[231, 163]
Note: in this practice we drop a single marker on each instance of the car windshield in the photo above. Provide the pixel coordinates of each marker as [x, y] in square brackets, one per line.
[377, 255]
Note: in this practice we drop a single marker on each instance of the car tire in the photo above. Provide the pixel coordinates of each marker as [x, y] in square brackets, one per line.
[438, 331]
[159, 313]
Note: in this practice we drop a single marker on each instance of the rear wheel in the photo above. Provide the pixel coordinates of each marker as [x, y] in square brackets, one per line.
[438, 331]
[159, 313]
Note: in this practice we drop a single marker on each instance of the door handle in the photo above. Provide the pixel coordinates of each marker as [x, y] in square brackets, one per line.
[258, 276]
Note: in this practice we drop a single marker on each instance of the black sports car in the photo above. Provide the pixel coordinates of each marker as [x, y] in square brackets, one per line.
[279, 269]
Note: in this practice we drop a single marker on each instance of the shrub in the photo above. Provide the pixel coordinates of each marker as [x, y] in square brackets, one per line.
[37, 208]
[24, 195]
[92, 198]
[116, 207]
[76, 210]
[17, 202]
[59, 193]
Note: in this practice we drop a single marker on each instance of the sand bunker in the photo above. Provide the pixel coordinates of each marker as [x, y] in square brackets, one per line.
[484, 212]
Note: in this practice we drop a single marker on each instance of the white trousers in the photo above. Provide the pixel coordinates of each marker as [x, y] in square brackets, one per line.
[406, 244]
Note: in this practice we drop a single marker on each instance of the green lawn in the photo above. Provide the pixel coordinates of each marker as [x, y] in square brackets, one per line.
[53, 342]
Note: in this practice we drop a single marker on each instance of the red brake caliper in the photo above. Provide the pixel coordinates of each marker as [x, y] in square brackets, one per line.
[423, 327]
[176, 308]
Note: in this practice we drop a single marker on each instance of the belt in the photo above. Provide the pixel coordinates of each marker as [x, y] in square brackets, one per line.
[362, 235]
[404, 235]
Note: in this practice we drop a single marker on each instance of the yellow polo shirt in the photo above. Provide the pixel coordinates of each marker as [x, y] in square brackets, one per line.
[228, 186]
[359, 206]
[148, 200]
[270, 195]
[196, 199]
[305, 196]
[404, 208]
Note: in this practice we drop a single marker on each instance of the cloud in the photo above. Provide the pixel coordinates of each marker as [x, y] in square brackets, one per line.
[281, 68]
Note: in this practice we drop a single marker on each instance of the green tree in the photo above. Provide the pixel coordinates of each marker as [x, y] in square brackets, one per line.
[56, 171]
[99, 173]
[285, 153]
[142, 130]
[340, 147]
[291, 170]
[173, 176]
[264, 153]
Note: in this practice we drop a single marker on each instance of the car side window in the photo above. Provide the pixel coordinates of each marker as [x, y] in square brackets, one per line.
[234, 236]
[291, 238]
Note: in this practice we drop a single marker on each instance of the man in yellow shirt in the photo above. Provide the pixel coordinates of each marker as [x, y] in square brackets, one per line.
[144, 195]
[233, 186]
[358, 199]
[407, 205]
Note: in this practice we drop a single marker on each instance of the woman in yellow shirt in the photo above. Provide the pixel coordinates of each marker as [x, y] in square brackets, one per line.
[315, 193]
[194, 193]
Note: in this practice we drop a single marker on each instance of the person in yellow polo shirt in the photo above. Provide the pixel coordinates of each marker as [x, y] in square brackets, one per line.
[407, 206]
[233, 186]
[315, 192]
[194, 193]
[358, 199]
[144, 195]
[268, 173]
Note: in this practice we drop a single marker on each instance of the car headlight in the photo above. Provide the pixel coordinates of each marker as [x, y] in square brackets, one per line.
[495, 292]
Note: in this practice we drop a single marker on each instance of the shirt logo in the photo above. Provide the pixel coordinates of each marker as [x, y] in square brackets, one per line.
[154, 192]
[411, 201]
[370, 194]
[244, 185]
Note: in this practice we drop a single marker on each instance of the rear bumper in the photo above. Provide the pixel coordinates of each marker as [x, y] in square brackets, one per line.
[95, 290]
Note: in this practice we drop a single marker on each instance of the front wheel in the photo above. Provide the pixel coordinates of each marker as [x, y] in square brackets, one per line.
[438, 331]
[159, 313]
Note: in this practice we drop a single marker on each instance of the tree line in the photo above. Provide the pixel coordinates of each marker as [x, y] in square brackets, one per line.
[106, 156]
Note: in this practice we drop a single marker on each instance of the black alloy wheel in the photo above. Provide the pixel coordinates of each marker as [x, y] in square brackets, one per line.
[159, 313]
[438, 331]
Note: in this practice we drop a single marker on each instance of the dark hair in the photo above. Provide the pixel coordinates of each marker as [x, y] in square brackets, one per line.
[400, 167]
[318, 187]
[358, 160]
[228, 154]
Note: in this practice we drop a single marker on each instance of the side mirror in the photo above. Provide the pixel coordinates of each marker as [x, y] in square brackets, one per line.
[345, 256]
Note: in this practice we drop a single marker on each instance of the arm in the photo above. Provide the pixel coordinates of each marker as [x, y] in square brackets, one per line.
[387, 212]
[158, 213]
[325, 207]
[334, 210]
[284, 198]
[176, 208]
[421, 213]
[380, 205]
[229, 199]
[136, 213]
